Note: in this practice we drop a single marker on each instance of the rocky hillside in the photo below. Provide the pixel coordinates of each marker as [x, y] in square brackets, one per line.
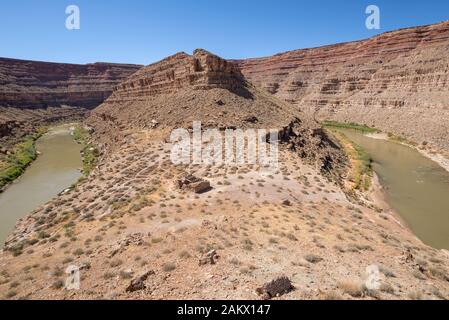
[397, 81]
[203, 87]
[42, 84]
[134, 234]
[184, 88]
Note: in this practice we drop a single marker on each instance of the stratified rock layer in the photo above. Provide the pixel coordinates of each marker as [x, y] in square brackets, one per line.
[44, 84]
[397, 81]
[202, 70]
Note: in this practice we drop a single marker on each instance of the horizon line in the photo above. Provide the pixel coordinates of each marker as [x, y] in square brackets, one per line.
[233, 59]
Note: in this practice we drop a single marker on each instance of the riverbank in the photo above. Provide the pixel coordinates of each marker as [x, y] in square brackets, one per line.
[360, 171]
[414, 187]
[379, 197]
[24, 153]
[21, 155]
[90, 153]
[371, 191]
[56, 168]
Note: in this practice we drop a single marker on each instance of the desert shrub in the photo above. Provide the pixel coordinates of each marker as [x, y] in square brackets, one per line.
[438, 273]
[108, 275]
[184, 254]
[387, 272]
[312, 258]
[169, 266]
[418, 275]
[331, 295]
[57, 284]
[78, 252]
[387, 288]
[10, 294]
[125, 275]
[353, 288]
[115, 263]
[415, 295]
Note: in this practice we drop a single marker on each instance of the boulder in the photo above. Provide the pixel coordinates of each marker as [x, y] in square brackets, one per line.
[275, 288]
[209, 258]
[194, 184]
[139, 282]
[251, 119]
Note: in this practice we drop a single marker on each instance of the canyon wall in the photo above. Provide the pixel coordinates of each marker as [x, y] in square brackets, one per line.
[34, 94]
[397, 82]
[33, 84]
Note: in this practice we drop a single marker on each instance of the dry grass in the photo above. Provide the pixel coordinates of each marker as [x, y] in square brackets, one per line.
[312, 258]
[353, 288]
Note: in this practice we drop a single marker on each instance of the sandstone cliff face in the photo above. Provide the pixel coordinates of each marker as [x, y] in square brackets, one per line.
[42, 84]
[202, 70]
[397, 81]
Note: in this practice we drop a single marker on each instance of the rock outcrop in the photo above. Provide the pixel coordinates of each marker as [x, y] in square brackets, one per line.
[202, 70]
[397, 81]
[275, 288]
[194, 184]
[44, 84]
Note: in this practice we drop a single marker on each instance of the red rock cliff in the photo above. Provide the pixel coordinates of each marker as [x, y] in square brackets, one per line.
[397, 81]
[42, 84]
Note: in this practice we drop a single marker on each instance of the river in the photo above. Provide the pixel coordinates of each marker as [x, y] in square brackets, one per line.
[416, 187]
[55, 169]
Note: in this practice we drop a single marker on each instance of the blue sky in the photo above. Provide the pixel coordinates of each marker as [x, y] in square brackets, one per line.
[144, 31]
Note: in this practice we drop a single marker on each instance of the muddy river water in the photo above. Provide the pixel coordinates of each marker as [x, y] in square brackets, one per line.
[416, 187]
[56, 168]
